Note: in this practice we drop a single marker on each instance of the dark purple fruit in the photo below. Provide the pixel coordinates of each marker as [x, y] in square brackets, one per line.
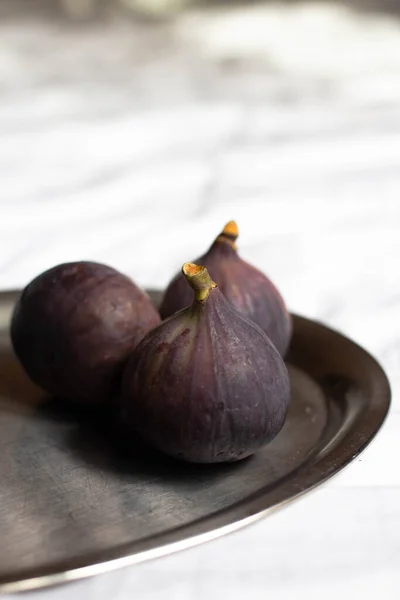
[244, 286]
[75, 325]
[207, 385]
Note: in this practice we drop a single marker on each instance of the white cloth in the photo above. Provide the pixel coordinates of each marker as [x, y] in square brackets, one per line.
[132, 145]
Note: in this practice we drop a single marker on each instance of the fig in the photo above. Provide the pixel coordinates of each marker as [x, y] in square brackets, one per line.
[207, 385]
[74, 326]
[244, 286]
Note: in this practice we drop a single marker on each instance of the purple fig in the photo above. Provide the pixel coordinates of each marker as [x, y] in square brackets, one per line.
[75, 325]
[207, 385]
[244, 286]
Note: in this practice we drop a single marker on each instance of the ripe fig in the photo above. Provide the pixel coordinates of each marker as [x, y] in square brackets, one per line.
[75, 325]
[207, 385]
[244, 286]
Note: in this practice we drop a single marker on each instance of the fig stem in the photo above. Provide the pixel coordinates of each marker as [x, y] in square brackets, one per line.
[229, 234]
[199, 279]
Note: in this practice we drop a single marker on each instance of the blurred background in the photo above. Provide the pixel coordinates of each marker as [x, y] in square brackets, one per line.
[132, 130]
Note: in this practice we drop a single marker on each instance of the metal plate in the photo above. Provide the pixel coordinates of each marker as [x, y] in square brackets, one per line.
[73, 503]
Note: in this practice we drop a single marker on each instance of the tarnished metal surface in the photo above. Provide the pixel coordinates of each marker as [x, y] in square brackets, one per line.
[73, 502]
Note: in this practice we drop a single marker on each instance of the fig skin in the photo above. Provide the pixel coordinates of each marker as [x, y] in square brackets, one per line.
[244, 286]
[75, 325]
[207, 385]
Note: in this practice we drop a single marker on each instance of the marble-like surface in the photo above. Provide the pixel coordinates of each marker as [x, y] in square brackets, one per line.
[132, 143]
